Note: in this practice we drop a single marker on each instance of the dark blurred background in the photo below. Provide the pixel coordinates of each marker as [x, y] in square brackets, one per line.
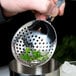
[64, 25]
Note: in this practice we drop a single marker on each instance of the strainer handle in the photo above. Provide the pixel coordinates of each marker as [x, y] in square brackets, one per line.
[58, 4]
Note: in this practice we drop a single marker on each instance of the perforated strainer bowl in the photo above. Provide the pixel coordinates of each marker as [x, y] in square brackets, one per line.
[37, 35]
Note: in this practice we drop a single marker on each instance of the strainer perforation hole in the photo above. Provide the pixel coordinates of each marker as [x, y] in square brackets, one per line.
[17, 41]
[25, 28]
[24, 36]
[43, 43]
[46, 42]
[19, 48]
[35, 35]
[19, 32]
[36, 46]
[51, 52]
[46, 46]
[19, 44]
[46, 49]
[28, 36]
[30, 32]
[33, 39]
[23, 45]
[20, 41]
[19, 54]
[20, 35]
[35, 43]
[23, 33]
[30, 40]
[32, 36]
[16, 47]
[50, 46]
[21, 51]
[22, 30]
[14, 40]
[52, 49]
[42, 50]
[50, 42]
[37, 40]
[15, 37]
[39, 37]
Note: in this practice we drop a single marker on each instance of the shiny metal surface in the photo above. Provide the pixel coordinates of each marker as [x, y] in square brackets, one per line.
[48, 69]
[37, 34]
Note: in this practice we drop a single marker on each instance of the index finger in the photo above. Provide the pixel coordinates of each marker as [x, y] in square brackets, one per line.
[61, 9]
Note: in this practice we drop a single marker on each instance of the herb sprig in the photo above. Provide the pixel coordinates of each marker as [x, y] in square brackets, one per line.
[31, 55]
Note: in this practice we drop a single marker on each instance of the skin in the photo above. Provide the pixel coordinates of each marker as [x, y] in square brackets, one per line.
[41, 8]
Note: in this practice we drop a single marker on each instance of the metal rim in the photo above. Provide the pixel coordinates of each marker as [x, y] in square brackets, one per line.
[28, 24]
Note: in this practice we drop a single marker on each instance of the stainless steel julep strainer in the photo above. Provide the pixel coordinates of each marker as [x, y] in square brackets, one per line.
[34, 43]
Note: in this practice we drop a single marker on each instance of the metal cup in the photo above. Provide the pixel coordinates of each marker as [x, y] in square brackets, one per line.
[51, 68]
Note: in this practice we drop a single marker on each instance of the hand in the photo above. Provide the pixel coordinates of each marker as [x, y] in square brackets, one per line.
[41, 7]
[53, 11]
[12, 7]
